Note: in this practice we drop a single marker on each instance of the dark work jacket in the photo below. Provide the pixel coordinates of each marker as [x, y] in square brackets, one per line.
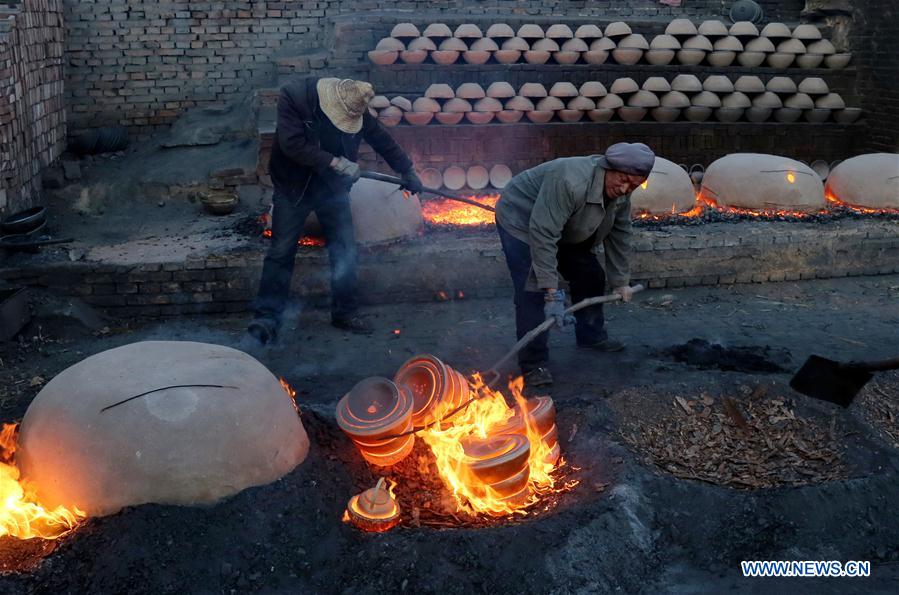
[306, 141]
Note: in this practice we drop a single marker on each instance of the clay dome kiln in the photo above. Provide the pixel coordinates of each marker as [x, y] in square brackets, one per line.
[762, 183]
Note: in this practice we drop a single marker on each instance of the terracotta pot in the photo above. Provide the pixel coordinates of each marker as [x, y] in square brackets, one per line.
[533, 90]
[516, 43]
[627, 56]
[431, 177]
[758, 114]
[659, 57]
[588, 32]
[413, 56]
[457, 104]
[782, 85]
[510, 116]
[780, 60]
[519, 103]
[530, 31]
[559, 31]
[617, 29]
[404, 30]
[847, 115]
[488, 104]
[422, 43]
[631, 114]
[686, 83]
[706, 99]
[822, 46]
[767, 99]
[425, 104]
[643, 99]
[500, 90]
[477, 177]
[813, 86]
[436, 388]
[674, 99]
[418, 118]
[690, 57]
[550, 104]
[596, 57]
[373, 411]
[437, 30]
[809, 60]
[665, 114]
[449, 119]
[592, 89]
[479, 117]
[760, 44]
[476, 56]
[536, 57]
[799, 101]
[566, 57]
[507, 56]
[744, 29]
[563, 89]
[496, 458]
[453, 44]
[540, 117]
[749, 84]
[712, 28]
[729, 114]
[512, 485]
[777, 31]
[440, 91]
[575, 45]
[817, 115]
[470, 91]
[570, 115]
[600, 114]
[383, 57]
[379, 102]
[610, 101]
[391, 116]
[751, 59]
[681, 27]
[624, 86]
[445, 57]
[718, 84]
[500, 176]
[216, 202]
[696, 113]
[581, 104]
[721, 58]
[807, 32]
[787, 115]
[468, 31]
[837, 61]
[500, 31]
[545, 45]
[402, 103]
[374, 510]
[390, 44]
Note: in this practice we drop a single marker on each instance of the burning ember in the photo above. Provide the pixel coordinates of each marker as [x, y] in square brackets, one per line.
[20, 515]
[265, 220]
[835, 202]
[442, 211]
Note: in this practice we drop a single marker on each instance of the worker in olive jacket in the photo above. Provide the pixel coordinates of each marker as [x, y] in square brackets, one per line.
[550, 218]
[321, 122]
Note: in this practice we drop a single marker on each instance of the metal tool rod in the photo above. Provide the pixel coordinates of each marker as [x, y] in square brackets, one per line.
[373, 175]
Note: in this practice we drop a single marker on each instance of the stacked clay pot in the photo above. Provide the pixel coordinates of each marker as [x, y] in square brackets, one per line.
[542, 415]
[435, 387]
[372, 413]
[498, 465]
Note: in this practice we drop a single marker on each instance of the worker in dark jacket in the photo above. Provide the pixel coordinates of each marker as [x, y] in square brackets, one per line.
[550, 219]
[321, 123]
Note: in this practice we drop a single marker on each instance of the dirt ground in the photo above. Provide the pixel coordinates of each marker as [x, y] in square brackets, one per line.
[629, 526]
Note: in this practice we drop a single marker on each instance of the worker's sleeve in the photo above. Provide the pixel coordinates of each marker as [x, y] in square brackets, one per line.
[380, 140]
[617, 246]
[554, 206]
[293, 138]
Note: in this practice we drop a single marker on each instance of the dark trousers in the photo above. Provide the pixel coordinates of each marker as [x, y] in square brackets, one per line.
[586, 278]
[288, 219]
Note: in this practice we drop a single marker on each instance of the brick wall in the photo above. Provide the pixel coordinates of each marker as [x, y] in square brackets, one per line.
[141, 62]
[32, 110]
[875, 43]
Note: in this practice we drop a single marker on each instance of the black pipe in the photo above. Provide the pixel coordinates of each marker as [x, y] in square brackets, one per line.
[372, 175]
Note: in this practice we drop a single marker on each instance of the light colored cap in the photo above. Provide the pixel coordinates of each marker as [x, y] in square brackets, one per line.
[344, 101]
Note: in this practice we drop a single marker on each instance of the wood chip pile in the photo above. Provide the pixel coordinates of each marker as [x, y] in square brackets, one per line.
[879, 403]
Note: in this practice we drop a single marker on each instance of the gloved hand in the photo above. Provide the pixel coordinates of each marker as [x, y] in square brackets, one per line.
[346, 169]
[412, 182]
[625, 291]
[555, 308]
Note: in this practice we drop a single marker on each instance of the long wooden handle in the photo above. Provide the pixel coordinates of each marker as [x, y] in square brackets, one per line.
[879, 366]
[548, 324]
[373, 175]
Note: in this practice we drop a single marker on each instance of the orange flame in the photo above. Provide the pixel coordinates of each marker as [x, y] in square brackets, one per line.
[443, 211]
[20, 514]
[833, 201]
[290, 393]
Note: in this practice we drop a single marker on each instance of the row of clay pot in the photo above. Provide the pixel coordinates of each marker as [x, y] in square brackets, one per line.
[476, 177]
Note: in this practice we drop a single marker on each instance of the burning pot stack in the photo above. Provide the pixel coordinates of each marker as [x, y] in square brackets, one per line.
[493, 458]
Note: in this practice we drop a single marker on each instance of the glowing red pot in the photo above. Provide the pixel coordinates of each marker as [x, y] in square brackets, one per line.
[371, 413]
[436, 388]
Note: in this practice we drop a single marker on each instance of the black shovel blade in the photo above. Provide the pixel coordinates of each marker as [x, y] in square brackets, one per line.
[827, 380]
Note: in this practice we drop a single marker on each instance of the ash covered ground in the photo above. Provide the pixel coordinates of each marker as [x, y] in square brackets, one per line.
[634, 524]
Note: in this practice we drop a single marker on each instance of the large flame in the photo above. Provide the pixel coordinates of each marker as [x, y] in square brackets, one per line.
[20, 514]
[443, 211]
[481, 419]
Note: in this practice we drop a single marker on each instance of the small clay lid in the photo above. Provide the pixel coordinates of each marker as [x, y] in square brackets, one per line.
[664, 42]
[706, 99]
[643, 99]
[781, 84]
[501, 90]
[425, 104]
[468, 31]
[470, 91]
[545, 45]
[633, 41]
[485, 44]
[431, 177]
[735, 100]
[656, 84]
[437, 30]
[776, 30]
[768, 100]
[559, 31]
[488, 105]
[402, 103]
[453, 44]
[602, 44]
[830, 101]
[803, 32]
[674, 99]
[500, 31]
[530, 31]
[550, 104]
[500, 175]
[728, 44]
[379, 102]
[618, 29]
[759, 44]
[813, 86]
[799, 101]
[610, 101]
[713, 28]
[749, 83]
[392, 44]
[522, 104]
[593, 89]
[575, 45]
[684, 27]
[454, 177]
[563, 89]
[457, 105]
[715, 83]
[581, 103]
[697, 42]
[744, 29]
[405, 30]
[477, 177]
[624, 86]
[686, 83]
[422, 43]
[791, 46]
[440, 91]
[588, 32]
[532, 90]
[822, 46]
[516, 43]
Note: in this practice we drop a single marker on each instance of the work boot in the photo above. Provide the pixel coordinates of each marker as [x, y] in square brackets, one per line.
[537, 377]
[353, 324]
[262, 330]
[606, 345]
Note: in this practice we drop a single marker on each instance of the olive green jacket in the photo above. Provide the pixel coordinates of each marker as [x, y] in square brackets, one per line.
[562, 201]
